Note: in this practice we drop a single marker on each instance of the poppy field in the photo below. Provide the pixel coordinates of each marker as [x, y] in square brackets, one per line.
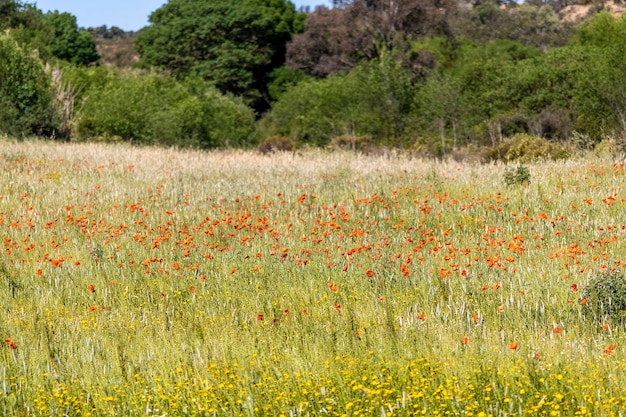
[144, 281]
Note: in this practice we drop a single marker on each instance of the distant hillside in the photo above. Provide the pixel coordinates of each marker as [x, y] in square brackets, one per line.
[577, 12]
[115, 46]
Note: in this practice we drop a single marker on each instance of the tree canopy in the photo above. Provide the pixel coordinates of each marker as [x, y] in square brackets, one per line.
[54, 34]
[233, 43]
[68, 42]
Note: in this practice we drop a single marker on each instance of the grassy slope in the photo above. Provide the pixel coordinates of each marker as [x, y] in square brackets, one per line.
[143, 281]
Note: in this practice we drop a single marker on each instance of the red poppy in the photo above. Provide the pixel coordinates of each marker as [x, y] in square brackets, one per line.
[609, 350]
[337, 306]
[332, 286]
[91, 288]
[369, 273]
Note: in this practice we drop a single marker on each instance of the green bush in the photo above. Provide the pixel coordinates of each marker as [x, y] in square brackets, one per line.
[604, 297]
[519, 175]
[374, 99]
[525, 148]
[25, 93]
[156, 109]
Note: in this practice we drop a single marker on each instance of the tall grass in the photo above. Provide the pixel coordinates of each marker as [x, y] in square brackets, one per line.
[141, 281]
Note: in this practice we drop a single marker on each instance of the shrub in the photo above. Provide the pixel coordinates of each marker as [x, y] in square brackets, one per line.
[524, 148]
[605, 297]
[519, 175]
[156, 109]
[276, 143]
[25, 93]
[374, 100]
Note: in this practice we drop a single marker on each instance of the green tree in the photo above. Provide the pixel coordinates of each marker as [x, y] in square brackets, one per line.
[14, 13]
[233, 43]
[67, 41]
[25, 24]
[53, 34]
[373, 100]
[482, 74]
[25, 92]
[441, 107]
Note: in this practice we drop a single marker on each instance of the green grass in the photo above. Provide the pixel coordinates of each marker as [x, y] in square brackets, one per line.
[141, 281]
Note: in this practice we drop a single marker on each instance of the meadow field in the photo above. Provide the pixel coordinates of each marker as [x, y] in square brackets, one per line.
[143, 281]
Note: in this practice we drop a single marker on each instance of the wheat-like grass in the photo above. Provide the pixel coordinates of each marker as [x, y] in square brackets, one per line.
[147, 281]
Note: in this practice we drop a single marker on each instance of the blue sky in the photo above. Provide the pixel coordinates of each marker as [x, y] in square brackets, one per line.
[125, 14]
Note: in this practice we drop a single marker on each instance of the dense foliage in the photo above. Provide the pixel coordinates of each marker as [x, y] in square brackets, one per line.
[25, 92]
[235, 44]
[440, 76]
[155, 109]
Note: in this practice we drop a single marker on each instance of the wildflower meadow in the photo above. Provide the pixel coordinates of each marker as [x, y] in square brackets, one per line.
[151, 282]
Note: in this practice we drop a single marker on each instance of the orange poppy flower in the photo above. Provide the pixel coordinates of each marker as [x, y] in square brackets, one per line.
[91, 288]
[465, 340]
[332, 286]
[421, 317]
[260, 316]
[513, 345]
[609, 350]
[369, 273]
[337, 306]
[500, 309]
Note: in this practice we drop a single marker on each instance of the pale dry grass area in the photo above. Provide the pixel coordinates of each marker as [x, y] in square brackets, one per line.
[238, 165]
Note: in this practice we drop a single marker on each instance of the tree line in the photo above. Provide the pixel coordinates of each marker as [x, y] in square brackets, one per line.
[434, 75]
